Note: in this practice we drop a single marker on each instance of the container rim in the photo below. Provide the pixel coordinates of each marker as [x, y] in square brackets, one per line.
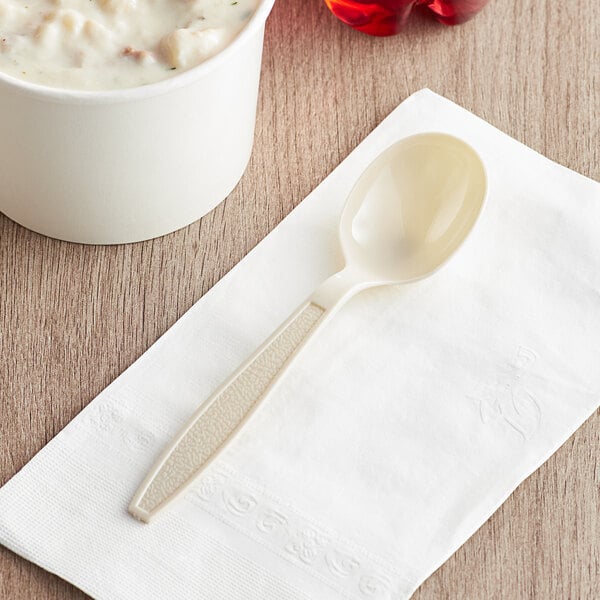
[180, 80]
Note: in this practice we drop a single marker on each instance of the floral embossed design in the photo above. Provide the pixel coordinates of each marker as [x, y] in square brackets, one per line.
[508, 400]
[206, 488]
[306, 544]
[105, 417]
[342, 565]
[372, 586]
[270, 520]
[262, 517]
[137, 440]
[238, 503]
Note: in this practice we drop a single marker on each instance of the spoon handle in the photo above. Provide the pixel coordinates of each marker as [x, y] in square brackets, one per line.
[224, 413]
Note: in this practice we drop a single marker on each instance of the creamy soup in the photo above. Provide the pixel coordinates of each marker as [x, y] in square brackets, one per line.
[110, 44]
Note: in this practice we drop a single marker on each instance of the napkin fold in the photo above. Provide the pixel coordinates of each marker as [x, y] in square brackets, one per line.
[397, 432]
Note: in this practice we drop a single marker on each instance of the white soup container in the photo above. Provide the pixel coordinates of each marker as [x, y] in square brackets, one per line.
[125, 165]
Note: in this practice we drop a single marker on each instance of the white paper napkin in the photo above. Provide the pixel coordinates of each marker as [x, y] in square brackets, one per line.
[400, 429]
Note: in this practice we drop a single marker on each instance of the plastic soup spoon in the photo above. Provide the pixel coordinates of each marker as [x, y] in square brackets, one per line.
[407, 214]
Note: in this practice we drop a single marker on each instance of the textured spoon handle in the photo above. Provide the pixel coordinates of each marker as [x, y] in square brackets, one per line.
[223, 414]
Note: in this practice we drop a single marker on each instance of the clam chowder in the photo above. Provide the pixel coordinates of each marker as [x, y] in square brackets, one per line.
[112, 44]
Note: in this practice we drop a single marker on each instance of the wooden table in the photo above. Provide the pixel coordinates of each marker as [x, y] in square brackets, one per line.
[73, 317]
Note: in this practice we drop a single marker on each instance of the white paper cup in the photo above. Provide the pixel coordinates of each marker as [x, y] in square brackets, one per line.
[126, 165]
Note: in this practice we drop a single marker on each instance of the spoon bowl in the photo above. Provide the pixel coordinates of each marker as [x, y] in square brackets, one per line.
[407, 214]
[412, 208]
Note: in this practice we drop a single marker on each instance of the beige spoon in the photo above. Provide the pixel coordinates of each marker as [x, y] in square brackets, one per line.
[407, 214]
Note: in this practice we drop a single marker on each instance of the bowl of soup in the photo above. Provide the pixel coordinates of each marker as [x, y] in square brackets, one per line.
[124, 120]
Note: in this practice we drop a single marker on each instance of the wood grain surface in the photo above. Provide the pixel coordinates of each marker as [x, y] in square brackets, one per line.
[73, 317]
